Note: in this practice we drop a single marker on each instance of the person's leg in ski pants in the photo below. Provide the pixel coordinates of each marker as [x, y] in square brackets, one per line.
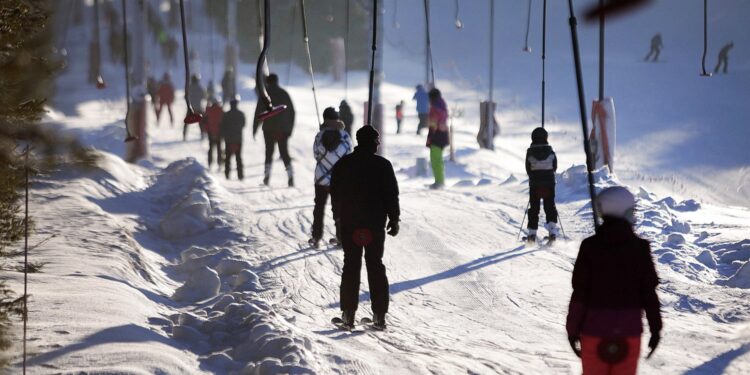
[236, 150]
[438, 166]
[321, 198]
[594, 365]
[550, 209]
[422, 122]
[214, 143]
[372, 242]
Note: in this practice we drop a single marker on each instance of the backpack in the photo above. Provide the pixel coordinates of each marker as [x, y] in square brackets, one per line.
[331, 140]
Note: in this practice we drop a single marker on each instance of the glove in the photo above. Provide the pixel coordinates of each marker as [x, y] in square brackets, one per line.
[653, 343]
[393, 227]
[573, 340]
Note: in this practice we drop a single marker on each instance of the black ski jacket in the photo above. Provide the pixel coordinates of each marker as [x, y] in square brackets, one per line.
[541, 164]
[231, 126]
[282, 122]
[364, 191]
[614, 280]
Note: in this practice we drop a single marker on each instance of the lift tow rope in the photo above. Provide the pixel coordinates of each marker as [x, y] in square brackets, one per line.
[309, 59]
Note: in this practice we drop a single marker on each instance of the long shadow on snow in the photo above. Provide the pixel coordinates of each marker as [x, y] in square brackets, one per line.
[292, 257]
[474, 265]
[720, 363]
[129, 333]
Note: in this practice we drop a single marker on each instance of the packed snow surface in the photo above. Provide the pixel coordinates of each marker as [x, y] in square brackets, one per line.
[166, 267]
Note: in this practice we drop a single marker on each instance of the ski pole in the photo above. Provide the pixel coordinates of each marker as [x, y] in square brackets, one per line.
[520, 228]
[559, 218]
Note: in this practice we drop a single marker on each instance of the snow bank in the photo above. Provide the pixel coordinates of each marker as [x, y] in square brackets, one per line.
[189, 217]
[202, 284]
[236, 330]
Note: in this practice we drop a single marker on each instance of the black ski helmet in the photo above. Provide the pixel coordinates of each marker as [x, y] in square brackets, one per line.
[330, 113]
[539, 135]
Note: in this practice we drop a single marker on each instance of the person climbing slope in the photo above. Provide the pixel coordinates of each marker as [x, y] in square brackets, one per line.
[423, 107]
[364, 192]
[231, 127]
[212, 121]
[331, 143]
[277, 129]
[614, 281]
[541, 164]
[438, 136]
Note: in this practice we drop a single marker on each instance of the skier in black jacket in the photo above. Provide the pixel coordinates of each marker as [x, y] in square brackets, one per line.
[614, 282]
[231, 127]
[364, 192]
[541, 164]
[276, 129]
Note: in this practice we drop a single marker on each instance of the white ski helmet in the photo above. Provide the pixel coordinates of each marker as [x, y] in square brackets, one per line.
[616, 201]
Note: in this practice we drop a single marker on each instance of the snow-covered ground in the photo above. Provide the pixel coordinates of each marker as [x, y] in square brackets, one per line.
[166, 267]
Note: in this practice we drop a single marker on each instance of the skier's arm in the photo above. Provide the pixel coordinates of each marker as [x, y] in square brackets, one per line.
[290, 108]
[335, 196]
[528, 164]
[577, 308]
[649, 282]
[256, 123]
[390, 194]
[554, 162]
[316, 147]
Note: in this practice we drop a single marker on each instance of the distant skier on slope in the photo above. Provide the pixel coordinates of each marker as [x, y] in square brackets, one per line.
[364, 192]
[166, 98]
[724, 58]
[331, 143]
[276, 129]
[541, 164]
[399, 116]
[197, 94]
[228, 86]
[656, 46]
[346, 116]
[231, 127]
[438, 136]
[614, 280]
[212, 121]
[423, 107]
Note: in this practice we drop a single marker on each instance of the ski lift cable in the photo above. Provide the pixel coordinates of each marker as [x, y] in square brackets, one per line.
[260, 84]
[100, 84]
[191, 117]
[459, 24]
[528, 25]
[396, 25]
[372, 62]
[128, 136]
[582, 108]
[346, 52]
[705, 39]
[544, 58]
[429, 43]
[601, 52]
[291, 45]
[309, 58]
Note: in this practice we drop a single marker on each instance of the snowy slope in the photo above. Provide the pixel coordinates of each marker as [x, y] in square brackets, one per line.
[169, 268]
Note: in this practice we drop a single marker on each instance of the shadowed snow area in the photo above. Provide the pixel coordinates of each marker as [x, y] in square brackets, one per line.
[166, 267]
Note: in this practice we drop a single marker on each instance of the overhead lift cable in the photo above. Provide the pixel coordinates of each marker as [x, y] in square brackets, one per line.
[129, 137]
[191, 117]
[309, 59]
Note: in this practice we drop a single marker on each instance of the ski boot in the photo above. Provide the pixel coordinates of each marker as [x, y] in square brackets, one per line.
[333, 242]
[531, 239]
[347, 318]
[266, 180]
[314, 242]
[290, 183]
[378, 321]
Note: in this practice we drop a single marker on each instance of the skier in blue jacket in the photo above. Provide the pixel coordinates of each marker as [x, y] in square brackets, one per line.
[423, 107]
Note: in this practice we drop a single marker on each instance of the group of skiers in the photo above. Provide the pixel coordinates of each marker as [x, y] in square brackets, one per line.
[614, 277]
[657, 44]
